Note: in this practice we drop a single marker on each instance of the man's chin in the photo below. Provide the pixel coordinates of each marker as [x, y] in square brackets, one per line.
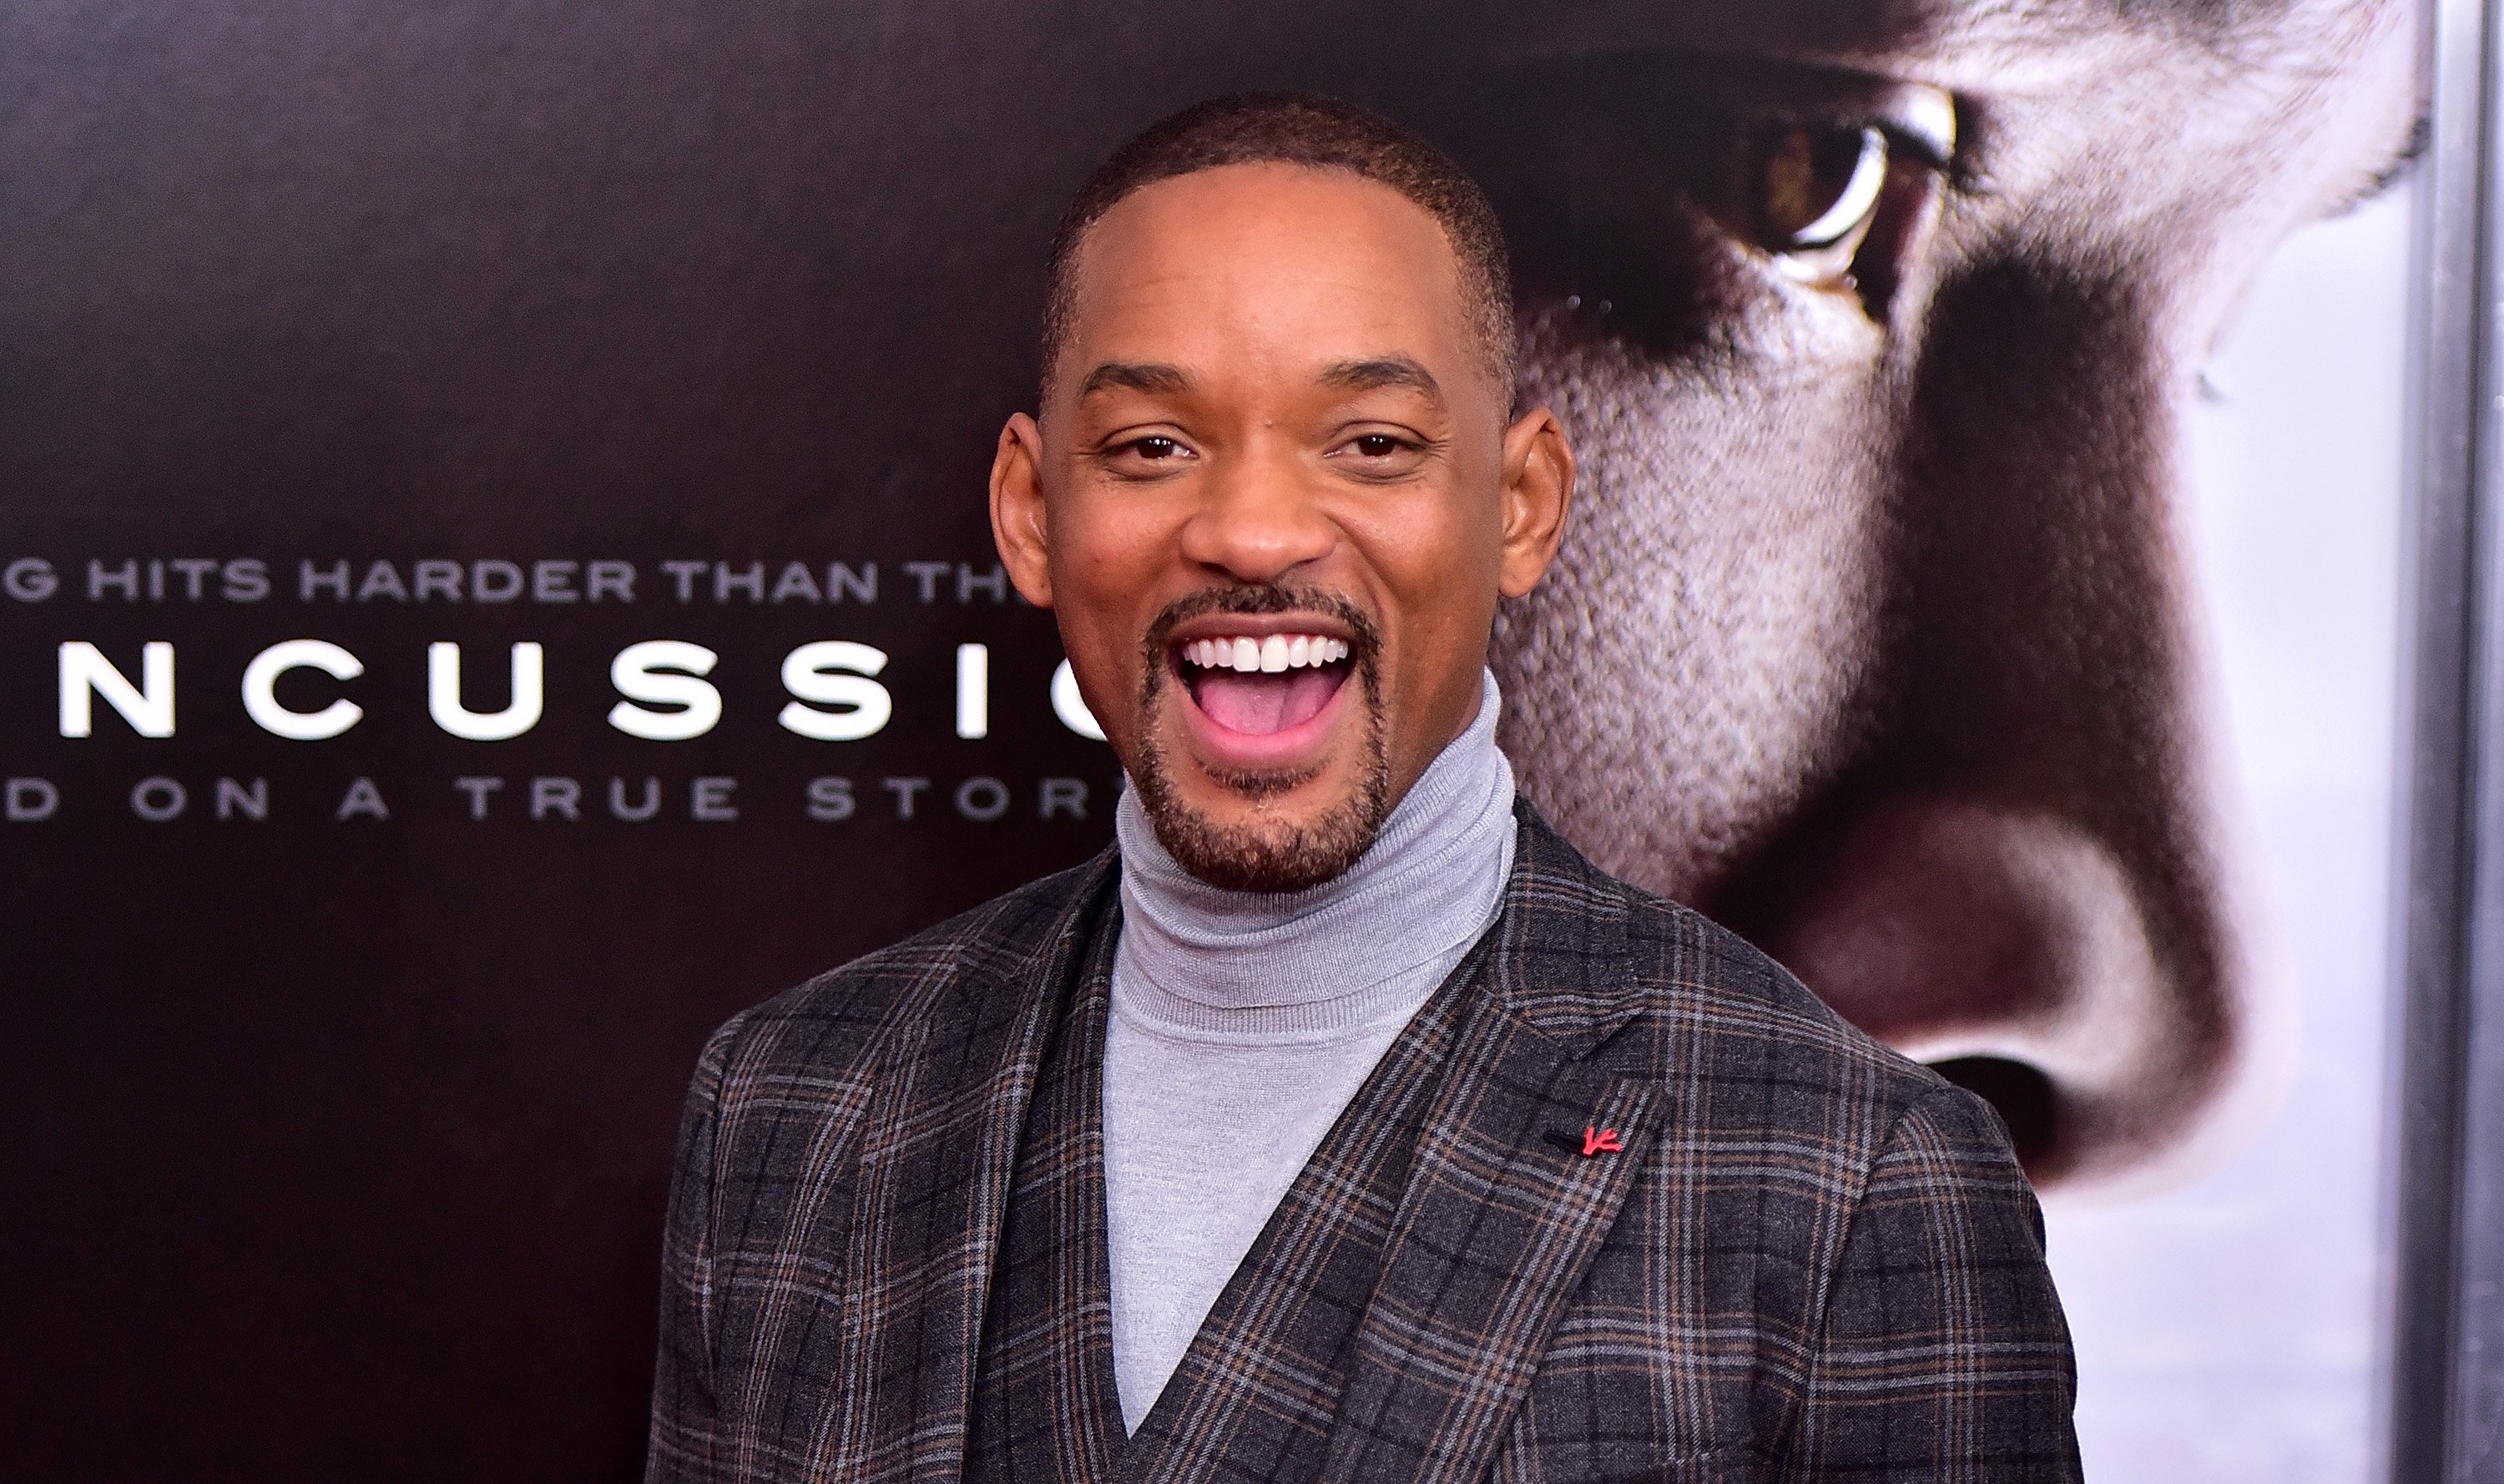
[1282, 782]
[1266, 849]
[1268, 829]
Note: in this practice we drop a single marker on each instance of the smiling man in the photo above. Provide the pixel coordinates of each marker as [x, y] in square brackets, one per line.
[1341, 1122]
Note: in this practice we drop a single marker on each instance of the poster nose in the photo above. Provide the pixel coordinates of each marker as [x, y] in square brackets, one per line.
[2027, 874]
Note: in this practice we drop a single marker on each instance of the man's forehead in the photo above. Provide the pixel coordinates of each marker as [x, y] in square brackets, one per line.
[1226, 215]
[1218, 252]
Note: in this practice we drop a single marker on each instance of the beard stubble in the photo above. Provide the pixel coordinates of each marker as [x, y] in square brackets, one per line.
[1274, 856]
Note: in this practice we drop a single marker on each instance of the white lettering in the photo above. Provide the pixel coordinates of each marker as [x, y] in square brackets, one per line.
[260, 695]
[973, 691]
[834, 672]
[148, 706]
[519, 715]
[1071, 707]
[664, 672]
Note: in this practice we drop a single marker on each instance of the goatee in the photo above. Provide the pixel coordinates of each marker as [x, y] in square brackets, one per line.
[1278, 855]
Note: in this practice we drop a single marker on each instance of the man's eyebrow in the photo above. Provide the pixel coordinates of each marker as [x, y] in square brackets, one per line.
[1134, 376]
[1382, 371]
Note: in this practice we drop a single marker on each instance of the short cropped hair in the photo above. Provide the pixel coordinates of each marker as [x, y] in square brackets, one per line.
[1319, 133]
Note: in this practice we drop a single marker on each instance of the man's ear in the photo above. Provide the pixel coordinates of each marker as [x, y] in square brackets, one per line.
[1019, 527]
[1538, 487]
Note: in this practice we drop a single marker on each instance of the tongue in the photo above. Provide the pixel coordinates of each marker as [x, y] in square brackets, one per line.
[1262, 704]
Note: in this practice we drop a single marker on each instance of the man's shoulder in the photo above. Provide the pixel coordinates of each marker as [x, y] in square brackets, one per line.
[828, 1022]
[1687, 1003]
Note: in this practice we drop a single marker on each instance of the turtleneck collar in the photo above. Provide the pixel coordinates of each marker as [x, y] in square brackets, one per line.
[1202, 957]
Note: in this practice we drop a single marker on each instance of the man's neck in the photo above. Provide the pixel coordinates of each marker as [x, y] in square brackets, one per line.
[1204, 957]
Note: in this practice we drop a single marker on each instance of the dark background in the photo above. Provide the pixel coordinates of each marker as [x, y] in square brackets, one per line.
[338, 1148]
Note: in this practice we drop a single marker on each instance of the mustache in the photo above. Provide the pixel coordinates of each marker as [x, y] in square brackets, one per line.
[1261, 598]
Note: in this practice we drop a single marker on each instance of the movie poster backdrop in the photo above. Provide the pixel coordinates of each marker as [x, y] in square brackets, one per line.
[494, 580]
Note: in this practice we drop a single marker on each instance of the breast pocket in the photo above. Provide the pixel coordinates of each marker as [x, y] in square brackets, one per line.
[1615, 1418]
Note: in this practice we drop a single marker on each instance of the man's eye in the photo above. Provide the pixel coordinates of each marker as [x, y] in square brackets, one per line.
[1375, 445]
[1831, 203]
[1155, 448]
[1817, 187]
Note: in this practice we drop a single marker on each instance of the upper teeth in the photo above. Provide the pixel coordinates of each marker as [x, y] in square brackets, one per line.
[1278, 651]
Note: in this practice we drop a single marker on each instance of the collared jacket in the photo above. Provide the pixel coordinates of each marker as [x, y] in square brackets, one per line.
[1800, 1257]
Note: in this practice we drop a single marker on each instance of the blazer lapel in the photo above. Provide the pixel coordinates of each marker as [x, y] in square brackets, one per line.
[1044, 1401]
[935, 1163]
[1526, 1157]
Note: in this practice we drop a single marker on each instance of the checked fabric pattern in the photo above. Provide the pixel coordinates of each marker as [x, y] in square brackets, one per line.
[1812, 1259]
[1254, 1397]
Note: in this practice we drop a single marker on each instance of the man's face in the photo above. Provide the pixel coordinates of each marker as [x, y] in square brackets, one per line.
[1273, 497]
[1872, 325]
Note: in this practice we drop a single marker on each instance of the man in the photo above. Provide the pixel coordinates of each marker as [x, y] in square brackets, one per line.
[1341, 1122]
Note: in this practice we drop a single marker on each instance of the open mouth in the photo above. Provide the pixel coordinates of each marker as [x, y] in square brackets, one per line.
[1262, 685]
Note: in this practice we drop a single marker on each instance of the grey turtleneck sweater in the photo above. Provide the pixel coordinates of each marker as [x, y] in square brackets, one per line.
[1242, 1023]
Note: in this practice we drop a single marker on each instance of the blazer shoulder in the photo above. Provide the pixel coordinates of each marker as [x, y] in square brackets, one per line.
[1757, 1062]
[1761, 1014]
[1698, 999]
[826, 1025]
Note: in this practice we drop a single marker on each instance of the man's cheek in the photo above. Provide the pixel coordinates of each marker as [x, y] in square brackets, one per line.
[1687, 667]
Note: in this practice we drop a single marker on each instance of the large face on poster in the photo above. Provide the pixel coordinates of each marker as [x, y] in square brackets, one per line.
[1874, 634]
[496, 575]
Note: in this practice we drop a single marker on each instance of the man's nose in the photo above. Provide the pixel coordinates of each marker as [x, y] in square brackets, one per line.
[1261, 515]
[2027, 879]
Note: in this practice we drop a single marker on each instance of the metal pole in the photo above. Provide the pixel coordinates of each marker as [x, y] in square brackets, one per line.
[2447, 1414]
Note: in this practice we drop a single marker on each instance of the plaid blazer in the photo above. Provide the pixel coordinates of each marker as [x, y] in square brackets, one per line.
[1811, 1259]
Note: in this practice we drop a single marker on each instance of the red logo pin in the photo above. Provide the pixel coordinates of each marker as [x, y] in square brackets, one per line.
[1599, 1141]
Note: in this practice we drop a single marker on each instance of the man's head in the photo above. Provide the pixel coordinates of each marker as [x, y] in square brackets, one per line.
[1316, 133]
[1275, 490]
